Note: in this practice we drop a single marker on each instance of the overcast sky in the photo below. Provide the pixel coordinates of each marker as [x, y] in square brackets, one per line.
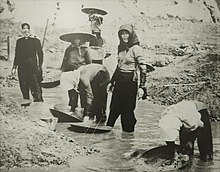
[36, 12]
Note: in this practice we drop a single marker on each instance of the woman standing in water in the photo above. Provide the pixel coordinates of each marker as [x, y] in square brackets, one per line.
[125, 79]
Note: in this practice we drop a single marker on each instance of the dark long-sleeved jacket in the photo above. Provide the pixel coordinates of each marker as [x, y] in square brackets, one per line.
[75, 57]
[28, 53]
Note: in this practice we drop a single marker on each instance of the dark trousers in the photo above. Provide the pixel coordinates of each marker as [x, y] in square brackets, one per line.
[205, 142]
[204, 138]
[74, 96]
[30, 81]
[99, 84]
[123, 103]
[73, 99]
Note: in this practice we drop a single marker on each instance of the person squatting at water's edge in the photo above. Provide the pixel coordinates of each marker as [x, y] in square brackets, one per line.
[189, 120]
[90, 82]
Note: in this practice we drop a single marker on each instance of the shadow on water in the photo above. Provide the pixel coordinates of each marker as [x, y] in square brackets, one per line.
[119, 151]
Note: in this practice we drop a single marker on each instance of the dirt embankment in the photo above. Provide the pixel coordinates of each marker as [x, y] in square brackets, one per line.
[187, 61]
[27, 141]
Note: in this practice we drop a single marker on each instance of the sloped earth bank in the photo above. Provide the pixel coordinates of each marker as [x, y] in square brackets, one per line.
[27, 141]
[198, 79]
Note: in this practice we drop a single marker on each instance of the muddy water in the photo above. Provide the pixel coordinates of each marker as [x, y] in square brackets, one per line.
[117, 148]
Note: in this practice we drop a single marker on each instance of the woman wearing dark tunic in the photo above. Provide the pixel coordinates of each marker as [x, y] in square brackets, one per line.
[29, 59]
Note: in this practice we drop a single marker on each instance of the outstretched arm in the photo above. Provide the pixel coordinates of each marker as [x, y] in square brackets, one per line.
[138, 53]
[142, 86]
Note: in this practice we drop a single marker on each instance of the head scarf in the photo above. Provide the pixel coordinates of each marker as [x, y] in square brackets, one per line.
[25, 24]
[132, 40]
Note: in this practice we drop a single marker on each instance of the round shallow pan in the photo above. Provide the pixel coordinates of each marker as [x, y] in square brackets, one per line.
[96, 10]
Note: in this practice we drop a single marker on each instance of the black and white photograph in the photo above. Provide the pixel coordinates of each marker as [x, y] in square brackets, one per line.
[109, 85]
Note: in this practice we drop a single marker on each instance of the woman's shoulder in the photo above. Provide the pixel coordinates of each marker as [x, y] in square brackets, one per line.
[137, 47]
[34, 38]
[137, 50]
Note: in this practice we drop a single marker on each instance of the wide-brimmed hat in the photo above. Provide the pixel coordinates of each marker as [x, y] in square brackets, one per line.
[96, 10]
[84, 37]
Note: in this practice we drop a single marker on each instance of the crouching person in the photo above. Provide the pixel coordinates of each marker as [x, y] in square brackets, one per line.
[90, 81]
[93, 82]
[189, 120]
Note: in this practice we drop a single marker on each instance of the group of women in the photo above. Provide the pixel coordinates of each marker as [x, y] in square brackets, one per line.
[188, 119]
[80, 75]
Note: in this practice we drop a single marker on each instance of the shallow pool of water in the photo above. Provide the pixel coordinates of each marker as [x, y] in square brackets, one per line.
[117, 148]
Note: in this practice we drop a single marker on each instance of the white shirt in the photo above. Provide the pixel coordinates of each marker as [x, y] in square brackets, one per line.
[183, 114]
[70, 80]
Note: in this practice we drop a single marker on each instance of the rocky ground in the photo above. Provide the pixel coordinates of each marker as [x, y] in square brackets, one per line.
[187, 68]
[185, 54]
[27, 141]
